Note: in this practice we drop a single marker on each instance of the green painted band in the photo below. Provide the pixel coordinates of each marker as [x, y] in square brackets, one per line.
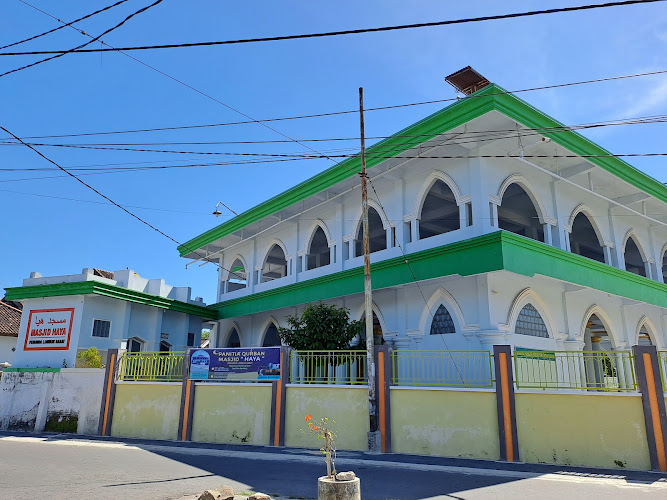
[32, 370]
[107, 290]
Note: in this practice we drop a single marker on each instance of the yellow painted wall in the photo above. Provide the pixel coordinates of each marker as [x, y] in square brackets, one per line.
[444, 423]
[232, 414]
[146, 411]
[347, 406]
[598, 430]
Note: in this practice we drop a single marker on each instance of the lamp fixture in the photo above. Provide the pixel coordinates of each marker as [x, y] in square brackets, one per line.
[217, 212]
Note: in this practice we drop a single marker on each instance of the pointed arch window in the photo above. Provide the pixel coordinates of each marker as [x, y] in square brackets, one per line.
[233, 340]
[530, 322]
[440, 213]
[644, 337]
[583, 239]
[378, 336]
[517, 214]
[271, 338]
[318, 252]
[442, 322]
[275, 265]
[377, 235]
[633, 258]
[238, 278]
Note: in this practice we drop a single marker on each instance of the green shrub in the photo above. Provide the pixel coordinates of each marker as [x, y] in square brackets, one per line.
[90, 358]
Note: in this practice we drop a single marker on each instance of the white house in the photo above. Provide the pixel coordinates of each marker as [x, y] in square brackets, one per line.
[10, 318]
[490, 223]
[66, 314]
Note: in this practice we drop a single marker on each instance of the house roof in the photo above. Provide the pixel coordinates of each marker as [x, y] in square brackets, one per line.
[102, 273]
[488, 99]
[10, 318]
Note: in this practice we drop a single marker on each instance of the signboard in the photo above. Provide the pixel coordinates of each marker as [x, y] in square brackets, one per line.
[523, 353]
[49, 329]
[245, 364]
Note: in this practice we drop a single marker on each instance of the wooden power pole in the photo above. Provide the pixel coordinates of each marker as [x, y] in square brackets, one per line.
[374, 434]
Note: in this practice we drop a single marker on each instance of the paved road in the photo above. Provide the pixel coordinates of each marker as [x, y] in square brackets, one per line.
[66, 467]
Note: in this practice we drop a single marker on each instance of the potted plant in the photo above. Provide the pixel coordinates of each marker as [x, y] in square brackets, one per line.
[335, 485]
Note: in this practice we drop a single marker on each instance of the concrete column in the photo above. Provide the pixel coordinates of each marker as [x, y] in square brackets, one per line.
[547, 234]
[566, 239]
[414, 230]
[390, 239]
[607, 255]
[494, 215]
[463, 215]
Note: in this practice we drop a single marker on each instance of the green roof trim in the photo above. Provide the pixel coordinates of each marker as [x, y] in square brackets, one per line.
[32, 370]
[107, 290]
[497, 251]
[490, 98]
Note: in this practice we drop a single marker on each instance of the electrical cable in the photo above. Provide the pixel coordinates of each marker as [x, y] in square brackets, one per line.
[349, 32]
[75, 49]
[34, 37]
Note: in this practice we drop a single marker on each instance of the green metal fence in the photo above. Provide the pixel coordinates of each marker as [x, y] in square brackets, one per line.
[442, 368]
[662, 360]
[151, 366]
[607, 371]
[328, 367]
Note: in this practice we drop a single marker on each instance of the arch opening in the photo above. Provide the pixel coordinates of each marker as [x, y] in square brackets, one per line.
[275, 265]
[664, 266]
[377, 236]
[271, 337]
[530, 322]
[633, 258]
[601, 366]
[518, 214]
[439, 213]
[378, 338]
[234, 340]
[583, 239]
[318, 252]
[238, 278]
[644, 338]
[442, 322]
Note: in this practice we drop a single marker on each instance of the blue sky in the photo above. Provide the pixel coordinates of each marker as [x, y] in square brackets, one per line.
[105, 92]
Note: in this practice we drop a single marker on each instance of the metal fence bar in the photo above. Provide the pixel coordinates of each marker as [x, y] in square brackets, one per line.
[442, 368]
[605, 371]
[328, 367]
[151, 366]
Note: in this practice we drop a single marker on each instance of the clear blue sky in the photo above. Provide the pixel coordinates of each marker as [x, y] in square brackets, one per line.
[104, 92]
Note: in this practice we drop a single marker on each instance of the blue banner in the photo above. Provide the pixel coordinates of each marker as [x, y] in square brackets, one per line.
[245, 364]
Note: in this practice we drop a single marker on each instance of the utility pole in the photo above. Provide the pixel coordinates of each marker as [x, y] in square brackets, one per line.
[374, 434]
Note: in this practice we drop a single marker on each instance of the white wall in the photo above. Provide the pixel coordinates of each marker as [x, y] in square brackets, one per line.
[6, 346]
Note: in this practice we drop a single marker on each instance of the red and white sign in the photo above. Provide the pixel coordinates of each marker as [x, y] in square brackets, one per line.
[49, 329]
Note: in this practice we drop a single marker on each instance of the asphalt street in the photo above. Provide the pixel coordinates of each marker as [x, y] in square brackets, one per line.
[74, 467]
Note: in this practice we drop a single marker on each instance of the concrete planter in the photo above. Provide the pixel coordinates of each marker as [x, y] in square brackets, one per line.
[329, 489]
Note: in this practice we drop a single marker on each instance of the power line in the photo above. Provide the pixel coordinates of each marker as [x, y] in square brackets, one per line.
[348, 32]
[34, 37]
[75, 49]
[336, 113]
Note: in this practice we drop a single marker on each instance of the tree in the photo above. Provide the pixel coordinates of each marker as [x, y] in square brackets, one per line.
[320, 327]
[90, 358]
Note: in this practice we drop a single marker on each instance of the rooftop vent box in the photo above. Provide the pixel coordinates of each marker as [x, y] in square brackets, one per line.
[467, 80]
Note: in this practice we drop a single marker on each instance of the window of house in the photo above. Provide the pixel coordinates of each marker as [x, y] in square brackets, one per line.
[275, 265]
[238, 278]
[440, 213]
[318, 254]
[191, 339]
[633, 258]
[101, 328]
[271, 338]
[517, 214]
[234, 340]
[165, 346]
[583, 239]
[134, 345]
[531, 323]
[442, 322]
[377, 236]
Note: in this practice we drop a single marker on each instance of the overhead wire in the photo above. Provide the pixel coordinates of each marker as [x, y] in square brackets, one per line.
[64, 25]
[93, 39]
[351, 32]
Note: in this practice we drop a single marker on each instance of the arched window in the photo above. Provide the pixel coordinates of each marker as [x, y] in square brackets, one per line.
[318, 253]
[644, 337]
[271, 338]
[583, 239]
[233, 340]
[442, 322]
[633, 258]
[440, 213]
[664, 266]
[275, 265]
[377, 236]
[529, 322]
[238, 278]
[378, 338]
[517, 214]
